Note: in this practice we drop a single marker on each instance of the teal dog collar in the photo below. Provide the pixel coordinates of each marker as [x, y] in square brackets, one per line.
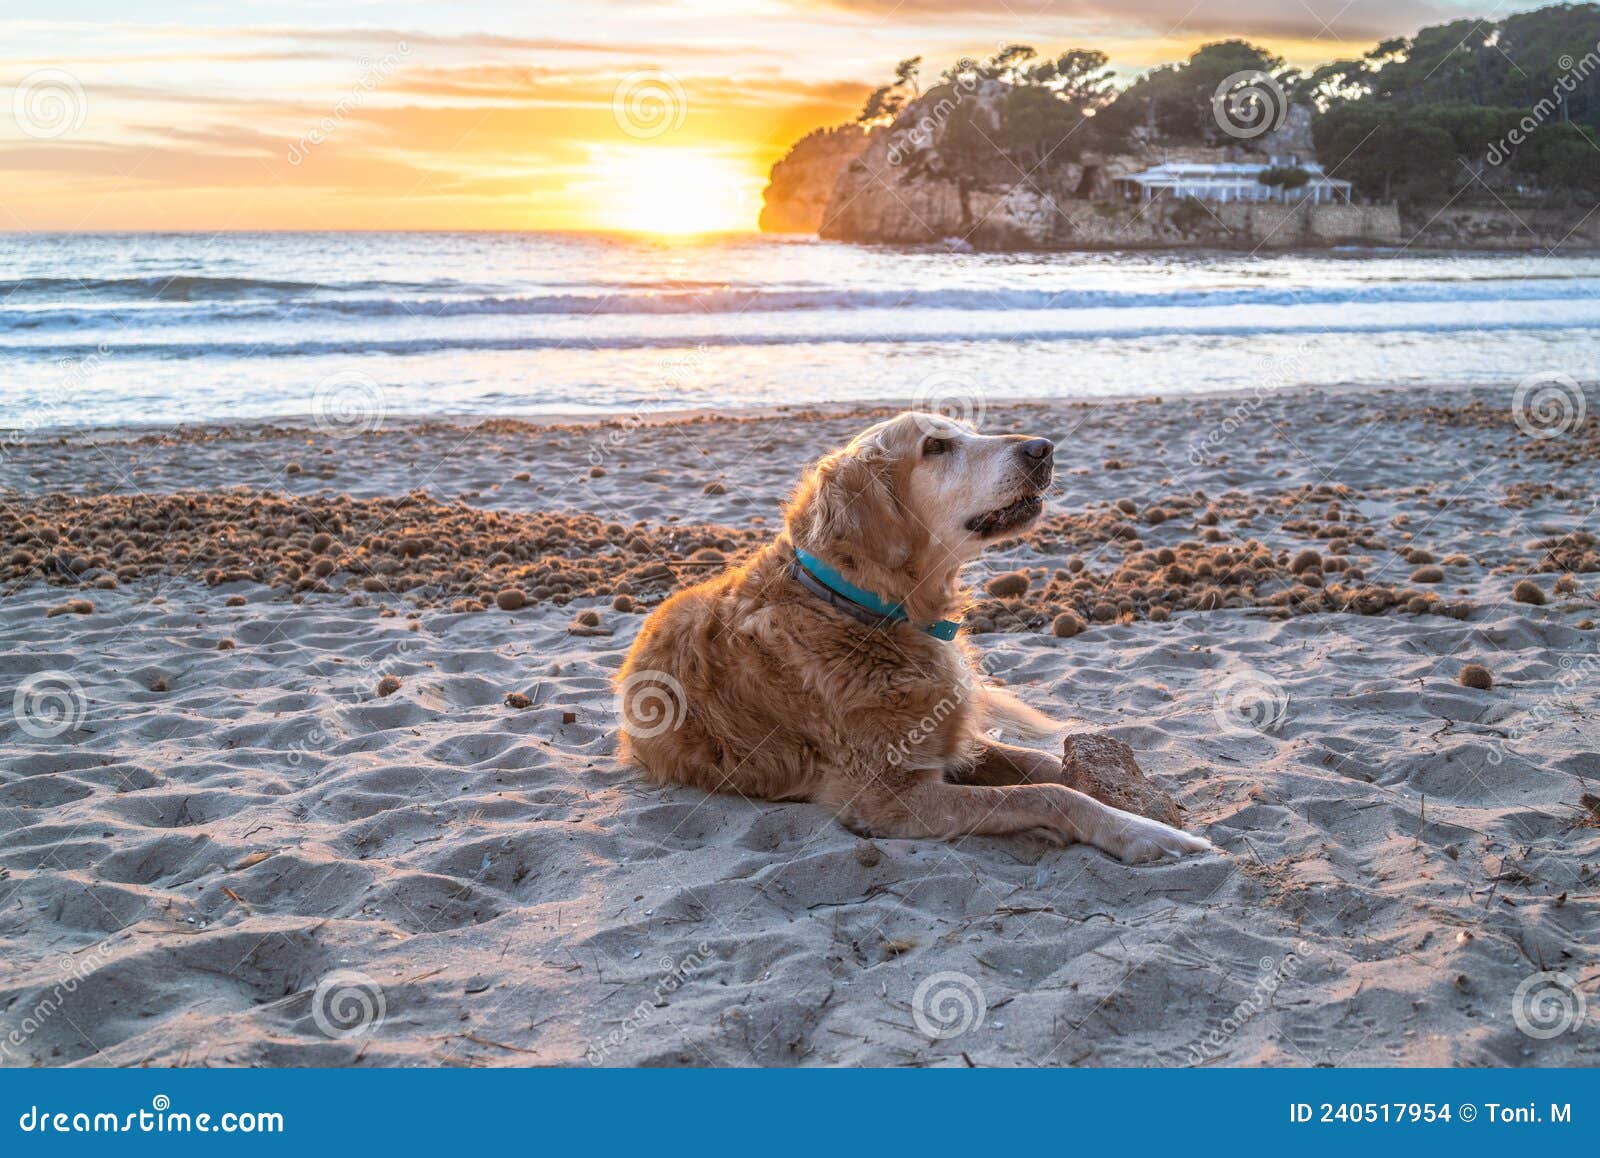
[827, 584]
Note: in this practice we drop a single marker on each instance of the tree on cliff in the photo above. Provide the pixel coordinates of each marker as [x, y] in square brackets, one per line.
[905, 74]
[1078, 77]
[1175, 100]
[886, 102]
[1042, 115]
[1464, 107]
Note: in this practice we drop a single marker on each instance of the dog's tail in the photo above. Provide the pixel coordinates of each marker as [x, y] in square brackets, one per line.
[1005, 711]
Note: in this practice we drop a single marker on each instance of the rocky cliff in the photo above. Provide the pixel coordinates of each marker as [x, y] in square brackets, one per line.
[1499, 227]
[799, 186]
[909, 185]
[943, 170]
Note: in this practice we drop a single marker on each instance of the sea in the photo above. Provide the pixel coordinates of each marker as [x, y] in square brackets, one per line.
[116, 329]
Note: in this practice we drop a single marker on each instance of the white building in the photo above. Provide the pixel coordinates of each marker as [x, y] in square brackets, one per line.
[1231, 181]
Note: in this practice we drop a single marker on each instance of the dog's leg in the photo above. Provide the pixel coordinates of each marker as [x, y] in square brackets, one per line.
[1000, 764]
[930, 807]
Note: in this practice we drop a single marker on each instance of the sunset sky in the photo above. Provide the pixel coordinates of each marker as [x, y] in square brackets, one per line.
[373, 114]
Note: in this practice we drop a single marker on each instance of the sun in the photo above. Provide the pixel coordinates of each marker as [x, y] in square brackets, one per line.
[674, 191]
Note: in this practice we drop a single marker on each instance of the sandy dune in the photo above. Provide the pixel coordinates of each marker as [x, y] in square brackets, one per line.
[233, 855]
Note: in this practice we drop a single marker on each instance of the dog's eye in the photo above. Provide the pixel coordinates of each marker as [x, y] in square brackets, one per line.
[933, 446]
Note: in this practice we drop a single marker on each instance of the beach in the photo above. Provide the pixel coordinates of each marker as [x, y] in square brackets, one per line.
[311, 757]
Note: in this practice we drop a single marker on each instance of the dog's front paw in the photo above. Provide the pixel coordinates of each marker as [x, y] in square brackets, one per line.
[1137, 840]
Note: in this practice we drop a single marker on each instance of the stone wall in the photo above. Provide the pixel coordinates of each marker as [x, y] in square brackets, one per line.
[1027, 218]
[1498, 227]
[1276, 226]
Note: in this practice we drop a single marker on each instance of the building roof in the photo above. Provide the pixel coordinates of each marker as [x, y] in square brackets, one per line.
[1227, 172]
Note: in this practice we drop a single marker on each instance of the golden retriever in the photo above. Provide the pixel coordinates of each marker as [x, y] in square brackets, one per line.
[761, 682]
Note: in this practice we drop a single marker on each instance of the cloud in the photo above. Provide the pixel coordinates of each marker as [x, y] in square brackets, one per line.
[370, 38]
[1330, 21]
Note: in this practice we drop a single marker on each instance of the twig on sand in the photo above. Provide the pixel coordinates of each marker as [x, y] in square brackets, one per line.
[497, 1044]
[1494, 883]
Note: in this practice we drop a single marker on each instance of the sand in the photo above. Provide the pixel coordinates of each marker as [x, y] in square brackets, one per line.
[221, 845]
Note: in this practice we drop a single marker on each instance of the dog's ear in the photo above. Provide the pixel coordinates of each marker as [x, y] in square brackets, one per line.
[846, 512]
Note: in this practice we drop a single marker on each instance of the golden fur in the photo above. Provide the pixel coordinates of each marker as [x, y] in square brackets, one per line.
[750, 683]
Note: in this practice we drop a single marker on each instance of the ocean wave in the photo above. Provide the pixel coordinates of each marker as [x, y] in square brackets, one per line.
[60, 351]
[742, 301]
[183, 310]
[191, 288]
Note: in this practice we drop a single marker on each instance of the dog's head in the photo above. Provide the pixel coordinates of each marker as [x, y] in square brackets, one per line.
[910, 500]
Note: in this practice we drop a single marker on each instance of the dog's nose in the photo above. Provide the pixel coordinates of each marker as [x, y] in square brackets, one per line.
[1037, 449]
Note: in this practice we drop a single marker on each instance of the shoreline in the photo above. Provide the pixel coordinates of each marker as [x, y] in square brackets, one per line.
[291, 425]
